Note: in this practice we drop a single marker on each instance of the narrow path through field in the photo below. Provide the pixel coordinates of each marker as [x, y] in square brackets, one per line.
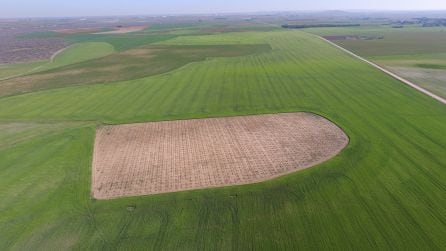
[407, 82]
[55, 54]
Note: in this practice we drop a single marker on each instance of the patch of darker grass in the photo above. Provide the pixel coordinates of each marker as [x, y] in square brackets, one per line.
[431, 66]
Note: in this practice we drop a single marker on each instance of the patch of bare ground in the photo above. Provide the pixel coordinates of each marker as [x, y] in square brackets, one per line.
[142, 52]
[123, 30]
[162, 157]
[77, 30]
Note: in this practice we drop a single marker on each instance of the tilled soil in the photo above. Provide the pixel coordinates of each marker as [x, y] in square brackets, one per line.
[161, 157]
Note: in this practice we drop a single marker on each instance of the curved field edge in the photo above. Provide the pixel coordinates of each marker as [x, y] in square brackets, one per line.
[78, 53]
[384, 191]
[72, 54]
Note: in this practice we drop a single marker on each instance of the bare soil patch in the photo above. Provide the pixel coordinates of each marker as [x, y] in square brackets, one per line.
[161, 157]
[123, 30]
[77, 30]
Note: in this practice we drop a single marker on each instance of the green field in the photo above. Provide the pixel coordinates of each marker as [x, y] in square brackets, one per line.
[427, 70]
[79, 52]
[128, 65]
[119, 42]
[385, 191]
[407, 41]
[415, 53]
[12, 70]
[73, 54]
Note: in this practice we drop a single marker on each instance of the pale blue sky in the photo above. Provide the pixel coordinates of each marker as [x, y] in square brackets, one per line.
[38, 8]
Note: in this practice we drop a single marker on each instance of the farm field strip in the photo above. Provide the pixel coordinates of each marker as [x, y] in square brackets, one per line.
[389, 42]
[8, 71]
[78, 53]
[262, 92]
[433, 80]
[72, 54]
[427, 70]
[405, 81]
[127, 65]
[414, 53]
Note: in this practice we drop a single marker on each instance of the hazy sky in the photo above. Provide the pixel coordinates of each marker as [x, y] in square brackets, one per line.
[38, 8]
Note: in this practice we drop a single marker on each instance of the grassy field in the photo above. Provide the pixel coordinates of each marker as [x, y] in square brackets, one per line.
[119, 42]
[11, 70]
[407, 41]
[79, 52]
[73, 54]
[385, 191]
[127, 65]
[417, 54]
[427, 70]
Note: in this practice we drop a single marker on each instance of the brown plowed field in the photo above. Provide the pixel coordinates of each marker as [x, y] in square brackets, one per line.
[161, 157]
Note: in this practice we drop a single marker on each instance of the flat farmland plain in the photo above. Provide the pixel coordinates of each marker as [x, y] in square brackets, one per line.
[415, 53]
[386, 41]
[384, 191]
[427, 70]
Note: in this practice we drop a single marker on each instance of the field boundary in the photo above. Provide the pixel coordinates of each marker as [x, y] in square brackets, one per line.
[405, 81]
[55, 54]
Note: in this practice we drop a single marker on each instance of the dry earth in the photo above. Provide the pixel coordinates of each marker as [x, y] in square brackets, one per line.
[123, 30]
[77, 30]
[161, 157]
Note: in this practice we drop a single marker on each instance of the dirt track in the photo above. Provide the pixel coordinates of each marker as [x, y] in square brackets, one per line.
[407, 82]
[160, 157]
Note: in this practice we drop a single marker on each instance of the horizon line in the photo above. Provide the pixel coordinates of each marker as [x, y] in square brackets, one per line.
[173, 14]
